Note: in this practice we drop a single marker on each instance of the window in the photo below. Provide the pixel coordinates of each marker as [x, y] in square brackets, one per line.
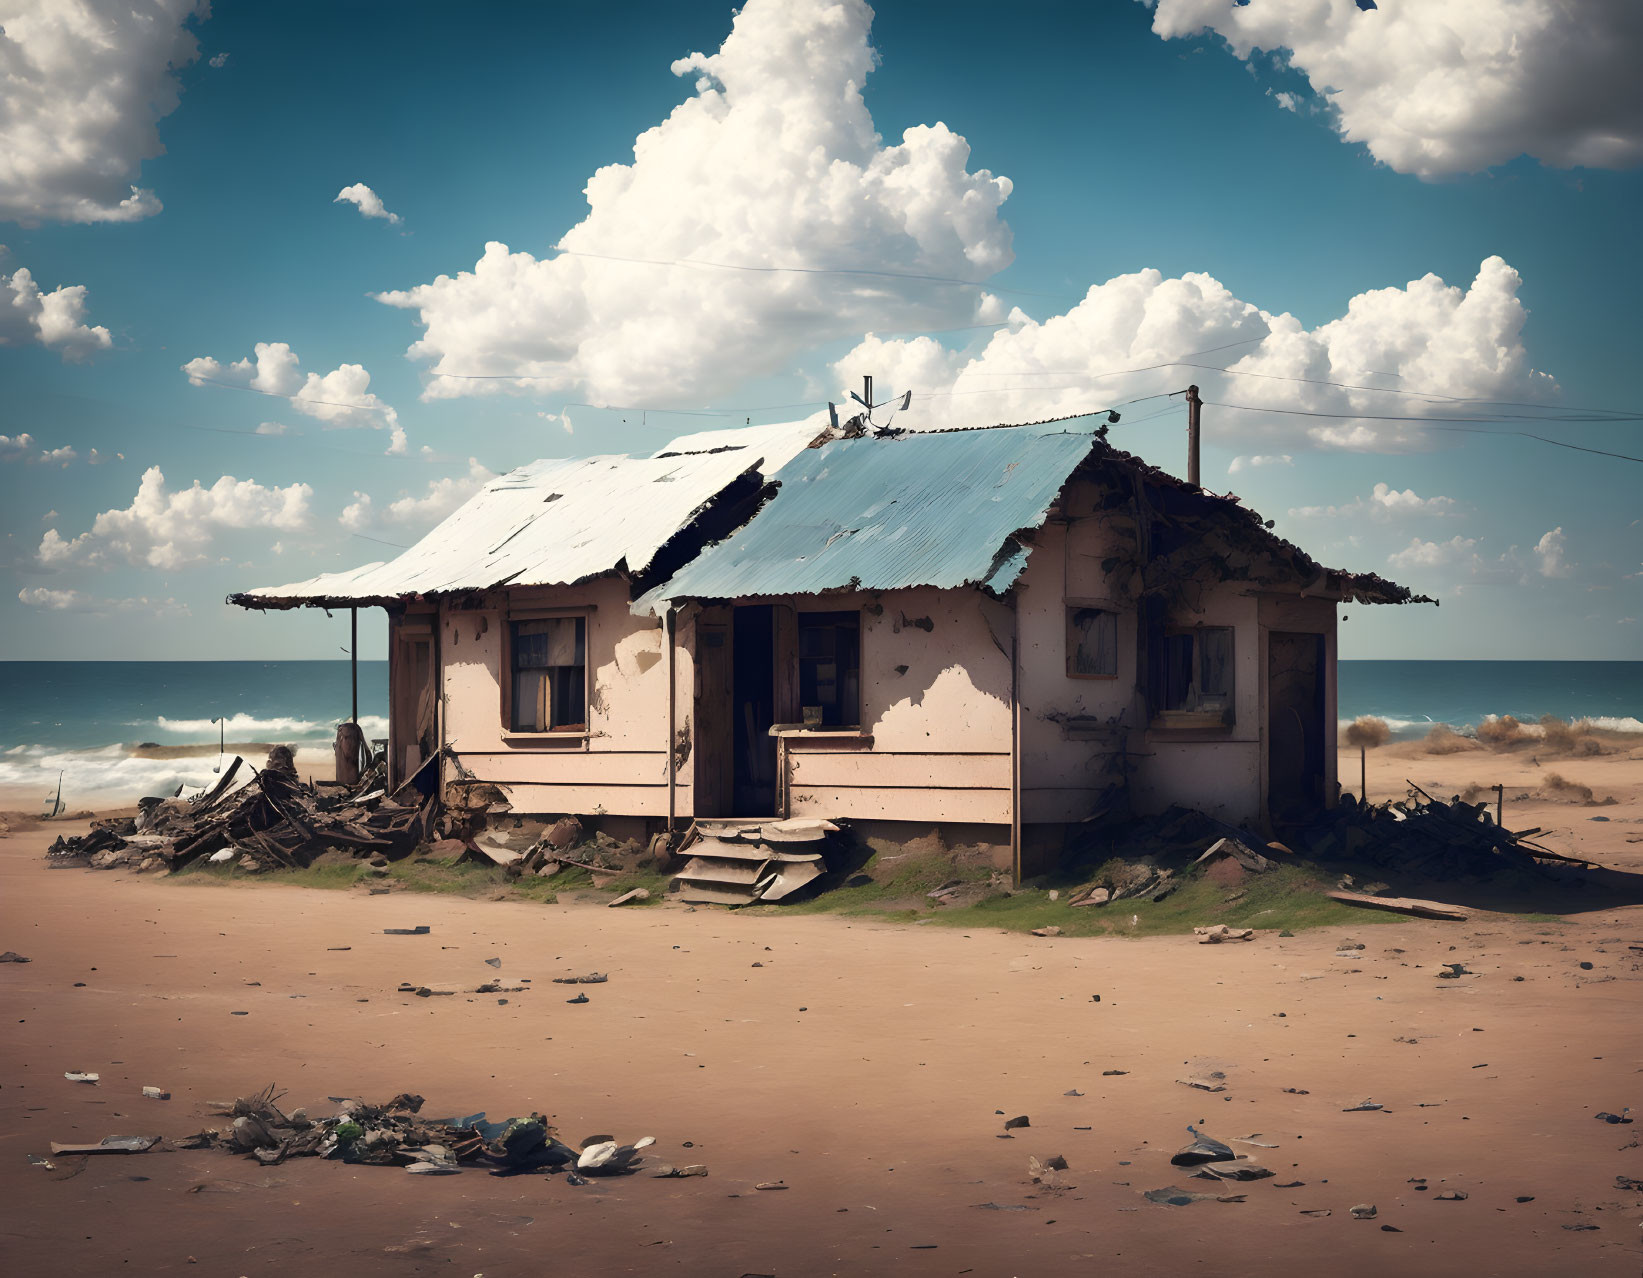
[549, 669]
[1197, 670]
[1092, 643]
[830, 668]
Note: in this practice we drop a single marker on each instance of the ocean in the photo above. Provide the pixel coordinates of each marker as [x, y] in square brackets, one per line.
[82, 719]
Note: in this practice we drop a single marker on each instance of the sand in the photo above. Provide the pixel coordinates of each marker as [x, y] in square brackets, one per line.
[863, 1065]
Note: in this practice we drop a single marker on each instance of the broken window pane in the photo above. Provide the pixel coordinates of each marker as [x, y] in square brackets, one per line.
[829, 646]
[549, 674]
[1092, 642]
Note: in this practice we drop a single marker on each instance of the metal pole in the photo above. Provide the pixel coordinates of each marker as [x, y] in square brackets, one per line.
[1500, 806]
[353, 657]
[1363, 774]
[1193, 405]
[670, 618]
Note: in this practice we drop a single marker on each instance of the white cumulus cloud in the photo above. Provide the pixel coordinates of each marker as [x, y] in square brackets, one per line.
[342, 398]
[773, 162]
[1257, 461]
[83, 86]
[166, 528]
[1385, 503]
[56, 319]
[367, 201]
[1551, 554]
[1265, 378]
[442, 497]
[1438, 87]
[50, 600]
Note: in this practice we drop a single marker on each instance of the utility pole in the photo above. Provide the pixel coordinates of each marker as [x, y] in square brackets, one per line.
[1193, 405]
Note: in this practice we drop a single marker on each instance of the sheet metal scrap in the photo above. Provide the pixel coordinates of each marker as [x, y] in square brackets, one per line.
[394, 1134]
[273, 820]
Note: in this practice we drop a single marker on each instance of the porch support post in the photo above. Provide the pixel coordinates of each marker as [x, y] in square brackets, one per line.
[1015, 740]
[670, 621]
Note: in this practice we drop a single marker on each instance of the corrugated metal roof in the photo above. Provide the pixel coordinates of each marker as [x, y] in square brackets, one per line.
[553, 522]
[925, 509]
[778, 443]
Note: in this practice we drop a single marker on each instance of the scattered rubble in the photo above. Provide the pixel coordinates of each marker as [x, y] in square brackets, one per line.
[394, 1134]
[1219, 932]
[271, 821]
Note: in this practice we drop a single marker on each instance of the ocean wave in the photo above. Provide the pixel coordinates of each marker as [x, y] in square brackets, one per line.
[245, 727]
[111, 775]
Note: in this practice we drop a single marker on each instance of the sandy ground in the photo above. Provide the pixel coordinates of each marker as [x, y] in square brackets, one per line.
[863, 1065]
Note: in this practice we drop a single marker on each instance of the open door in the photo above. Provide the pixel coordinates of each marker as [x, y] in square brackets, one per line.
[1295, 729]
[754, 688]
[412, 699]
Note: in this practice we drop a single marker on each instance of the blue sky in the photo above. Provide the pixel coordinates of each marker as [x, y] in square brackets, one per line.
[1130, 144]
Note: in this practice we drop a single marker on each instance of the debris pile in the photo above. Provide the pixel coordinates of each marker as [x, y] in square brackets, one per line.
[1425, 837]
[395, 1135]
[272, 820]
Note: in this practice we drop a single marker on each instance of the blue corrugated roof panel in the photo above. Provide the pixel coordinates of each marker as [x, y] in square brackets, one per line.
[922, 509]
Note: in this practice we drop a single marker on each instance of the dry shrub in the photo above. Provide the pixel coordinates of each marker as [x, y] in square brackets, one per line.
[1366, 732]
[1443, 739]
[1554, 786]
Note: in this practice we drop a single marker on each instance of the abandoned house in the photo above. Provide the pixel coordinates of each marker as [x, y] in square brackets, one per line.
[996, 633]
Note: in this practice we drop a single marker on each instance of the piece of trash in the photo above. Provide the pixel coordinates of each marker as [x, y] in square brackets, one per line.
[1454, 971]
[637, 894]
[1005, 1207]
[75, 1076]
[1454, 1195]
[1604, 1117]
[12, 956]
[1317, 1211]
[1052, 930]
[1204, 1149]
[1237, 1169]
[421, 929]
[1220, 932]
[580, 998]
[1362, 1106]
[1019, 1120]
[592, 978]
[1201, 1085]
[1113, 1073]
[110, 1145]
[674, 1173]
[770, 1184]
[493, 962]
[1073, 1092]
[433, 1169]
[1363, 1211]
[156, 1093]
[1183, 1197]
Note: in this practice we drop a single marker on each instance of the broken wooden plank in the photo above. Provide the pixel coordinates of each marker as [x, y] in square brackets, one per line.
[110, 1145]
[1399, 905]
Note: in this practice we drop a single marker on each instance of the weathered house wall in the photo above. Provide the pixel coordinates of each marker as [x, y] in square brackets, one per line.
[619, 764]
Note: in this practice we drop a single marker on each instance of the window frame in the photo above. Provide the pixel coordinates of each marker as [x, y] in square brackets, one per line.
[1196, 715]
[1072, 605]
[569, 732]
[799, 617]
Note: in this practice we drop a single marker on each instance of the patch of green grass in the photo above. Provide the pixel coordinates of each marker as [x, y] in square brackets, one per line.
[1286, 897]
[452, 876]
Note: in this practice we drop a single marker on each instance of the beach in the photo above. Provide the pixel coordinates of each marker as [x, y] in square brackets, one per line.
[866, 1067]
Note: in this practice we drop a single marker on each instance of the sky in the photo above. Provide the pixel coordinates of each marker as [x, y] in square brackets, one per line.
[283, 284]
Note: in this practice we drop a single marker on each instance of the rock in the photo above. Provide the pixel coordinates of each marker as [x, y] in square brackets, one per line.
[1236, 1169]
[433, 1169]
[564, 834]
[1019, 1120]
[1056, 896]
[1453, 1196]
[1052, 930]
[1364, 1211]
[493, 962]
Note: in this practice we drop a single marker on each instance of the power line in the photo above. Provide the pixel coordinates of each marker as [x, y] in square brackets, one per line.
[295, 399]
[1384, 417]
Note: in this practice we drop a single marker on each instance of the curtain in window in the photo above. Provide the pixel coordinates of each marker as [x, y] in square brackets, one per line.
[1215, 663]
[549, 673]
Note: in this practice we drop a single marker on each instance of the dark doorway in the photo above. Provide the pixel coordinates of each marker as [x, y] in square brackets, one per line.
[753, 710]
[1295, 734]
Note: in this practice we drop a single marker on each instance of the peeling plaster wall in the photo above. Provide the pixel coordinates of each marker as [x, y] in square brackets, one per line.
[936, 703]
[1220, 772]
[1070, 770]
[620, 766]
